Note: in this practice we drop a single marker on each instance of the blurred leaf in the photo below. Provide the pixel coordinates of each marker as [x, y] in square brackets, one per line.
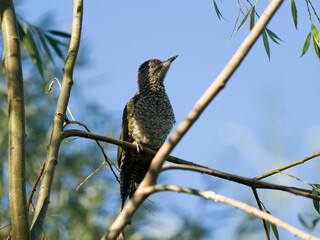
[317, 186]
[316, 47]
[28, 42]
[45, 46]
[244, 19]
[275, 231]
[314, 222]
[252, 18]
[217, 10]
[266, 43]
[59, 33]
[274, 37]
[315, 202]
[54, 44]
[303, 222]
[306, 44]
[294, 13]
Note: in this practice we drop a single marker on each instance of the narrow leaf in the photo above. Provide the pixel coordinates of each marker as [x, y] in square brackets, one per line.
[303, 222]
[28, 42]
[317, 186]
[294, 13]
[306, 44]
[266, 43]
[59, 33]
[274, 37]
[54, 44]
[45, 46]
[252, 18]
[315, 202]
[316, 47]
[275, 231]
[217, 10]
[314, 222]
[244, 19]
[315, 34]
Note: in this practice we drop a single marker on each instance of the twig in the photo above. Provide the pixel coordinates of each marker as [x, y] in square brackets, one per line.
[220, 82]
[90, 176]
[255, 193]
[287, 166]
[101, 148]
[307, 3]
[34, 186]
[314, 11]
[234, 203]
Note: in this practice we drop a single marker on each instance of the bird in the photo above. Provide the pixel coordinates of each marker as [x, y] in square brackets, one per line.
[147, 120]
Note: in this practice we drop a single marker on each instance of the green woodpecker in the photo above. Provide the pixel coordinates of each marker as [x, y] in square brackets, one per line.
[147, 120]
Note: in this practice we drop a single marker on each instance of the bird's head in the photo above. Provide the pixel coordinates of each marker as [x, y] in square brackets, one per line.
[151, 74]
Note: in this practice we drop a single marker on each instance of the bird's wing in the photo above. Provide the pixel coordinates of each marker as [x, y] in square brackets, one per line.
[127, 114]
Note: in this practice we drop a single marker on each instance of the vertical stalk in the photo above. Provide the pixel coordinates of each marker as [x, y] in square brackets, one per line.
[57, 129]
[16, 122]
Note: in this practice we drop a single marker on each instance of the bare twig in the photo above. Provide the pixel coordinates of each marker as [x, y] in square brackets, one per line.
[314, 10]
[157, 162]
[16, 122]
[58, 121]
[34, 186]
[234, 203]
[288, 166]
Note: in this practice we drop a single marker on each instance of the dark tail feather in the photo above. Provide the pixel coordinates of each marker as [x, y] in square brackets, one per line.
[125, 178]
[139, 171]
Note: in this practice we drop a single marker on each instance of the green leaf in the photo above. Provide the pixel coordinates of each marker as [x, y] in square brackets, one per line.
[252, 18]
[303, 222]
[294, 13]
[54, 44]
[244, 19]
[315, 202]
[275, 231]
[306, 44]
[314, 222]
[28, 42]
[274, 37]
[317, 186]
[59, 33]
[315, 34]
[266, 43]
[45, 46]
[316, 47]
[217, 10]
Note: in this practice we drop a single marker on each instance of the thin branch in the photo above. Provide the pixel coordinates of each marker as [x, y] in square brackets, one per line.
[314, 11]
[234, 203]
[186, 165]
[288, 166]
[251, 182]
[58, 121]
[157, 162]
[256, 196]
[16, 122]
[34, 186]
[107, 160]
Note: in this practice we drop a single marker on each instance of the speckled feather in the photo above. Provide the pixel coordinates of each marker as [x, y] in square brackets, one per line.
[147, 119]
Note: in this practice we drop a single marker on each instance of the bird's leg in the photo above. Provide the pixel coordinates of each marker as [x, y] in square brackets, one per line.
[139, 146]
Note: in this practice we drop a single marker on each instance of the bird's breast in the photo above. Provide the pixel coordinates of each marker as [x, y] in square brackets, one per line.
[152, 121]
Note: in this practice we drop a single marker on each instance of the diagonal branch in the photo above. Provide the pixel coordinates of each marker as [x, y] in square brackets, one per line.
[234, 203]
[16, 122]
[157, 162]
[57, 129]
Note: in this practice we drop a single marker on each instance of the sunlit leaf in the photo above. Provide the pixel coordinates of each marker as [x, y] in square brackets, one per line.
[244, 19]
[59, 33]
[252, 18]
[274, 37]
[315, 34]
[266, 43]
[294, 13]
[306, 44]
[316, 48]
[275, 231]
[315, 202]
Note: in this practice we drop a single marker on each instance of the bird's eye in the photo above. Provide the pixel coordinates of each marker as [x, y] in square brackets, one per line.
[151, 66]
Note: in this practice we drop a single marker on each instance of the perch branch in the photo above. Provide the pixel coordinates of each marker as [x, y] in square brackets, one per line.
[157, 162]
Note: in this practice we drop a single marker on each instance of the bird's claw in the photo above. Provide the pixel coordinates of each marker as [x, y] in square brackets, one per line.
[139, 146]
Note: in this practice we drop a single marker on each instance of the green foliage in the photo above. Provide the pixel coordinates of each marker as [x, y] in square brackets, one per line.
[266, 43]
[306, 45]
[219, 15]
[294, 13]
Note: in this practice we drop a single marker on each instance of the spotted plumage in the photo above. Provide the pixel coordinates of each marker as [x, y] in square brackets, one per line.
[147, 120]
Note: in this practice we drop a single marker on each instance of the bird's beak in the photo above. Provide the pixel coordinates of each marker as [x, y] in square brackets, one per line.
[167, 63]
[172, 59]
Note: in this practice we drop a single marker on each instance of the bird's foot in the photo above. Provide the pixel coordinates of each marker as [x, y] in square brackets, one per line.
[139, 146]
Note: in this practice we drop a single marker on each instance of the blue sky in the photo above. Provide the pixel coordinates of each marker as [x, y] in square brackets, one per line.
[266, 117]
